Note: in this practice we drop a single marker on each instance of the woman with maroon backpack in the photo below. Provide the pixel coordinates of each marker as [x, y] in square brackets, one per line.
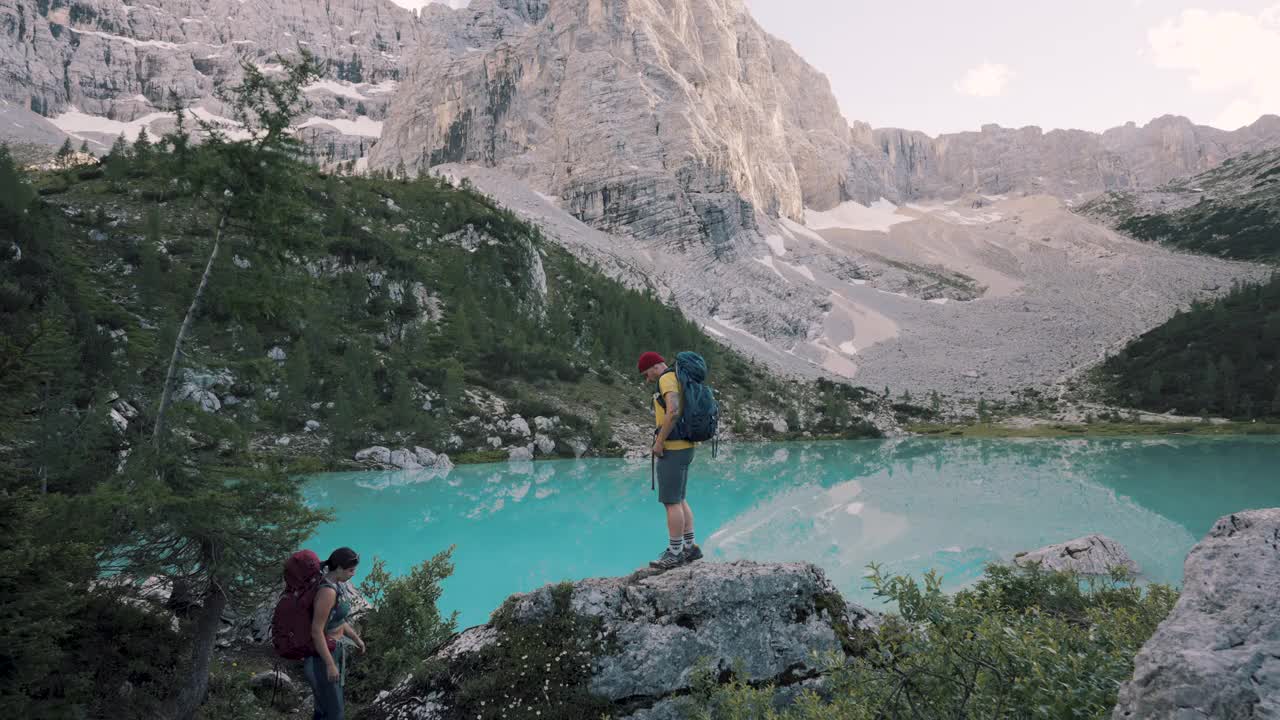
[310, 623]
[329, 628]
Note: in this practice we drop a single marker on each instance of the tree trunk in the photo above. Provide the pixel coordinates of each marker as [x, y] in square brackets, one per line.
[188, 697]
[182, 333]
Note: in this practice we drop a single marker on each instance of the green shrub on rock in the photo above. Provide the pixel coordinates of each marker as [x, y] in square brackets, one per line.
[1021, 643]
[405, 627]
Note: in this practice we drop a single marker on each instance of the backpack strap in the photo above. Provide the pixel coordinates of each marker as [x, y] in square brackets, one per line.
[662, 401]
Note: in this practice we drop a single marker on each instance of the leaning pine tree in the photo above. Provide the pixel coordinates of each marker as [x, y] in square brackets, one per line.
[215, 528]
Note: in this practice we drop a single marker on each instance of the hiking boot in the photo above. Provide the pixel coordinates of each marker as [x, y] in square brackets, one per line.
[690, 553]
[667, 560]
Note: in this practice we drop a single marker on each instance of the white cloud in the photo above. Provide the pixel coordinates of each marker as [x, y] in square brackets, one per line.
[985, 80]
[1228, 53]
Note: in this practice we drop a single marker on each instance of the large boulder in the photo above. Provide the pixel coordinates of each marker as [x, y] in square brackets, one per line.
[517, 426]
[277, 689]
[1088, 555]
[377, 455]
[653, 632]
[1217, 655]
[404, 459]
[544, 443]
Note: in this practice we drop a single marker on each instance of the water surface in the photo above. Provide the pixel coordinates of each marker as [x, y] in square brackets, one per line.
[910, 505]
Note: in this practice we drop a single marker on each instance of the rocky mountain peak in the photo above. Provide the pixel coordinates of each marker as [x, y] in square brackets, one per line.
[99, 69]
[674, 120]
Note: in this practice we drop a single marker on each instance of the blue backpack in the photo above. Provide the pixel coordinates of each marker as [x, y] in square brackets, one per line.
[700, 417]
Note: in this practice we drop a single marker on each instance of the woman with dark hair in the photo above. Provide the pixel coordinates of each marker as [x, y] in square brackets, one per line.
[330, 633]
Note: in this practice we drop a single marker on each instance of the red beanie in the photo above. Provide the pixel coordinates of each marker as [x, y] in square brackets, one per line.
[648, 360]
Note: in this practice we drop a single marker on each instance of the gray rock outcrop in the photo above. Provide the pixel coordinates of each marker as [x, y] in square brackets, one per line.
[101, 68]
[419, 458]
[1088, 555]
[1217, 655]
[768, 620]
[377, 454]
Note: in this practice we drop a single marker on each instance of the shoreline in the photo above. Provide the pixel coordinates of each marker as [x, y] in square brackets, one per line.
[952, 431]
[1050, 429]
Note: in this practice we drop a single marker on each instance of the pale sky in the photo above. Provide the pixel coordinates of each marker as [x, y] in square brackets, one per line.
[942, 66]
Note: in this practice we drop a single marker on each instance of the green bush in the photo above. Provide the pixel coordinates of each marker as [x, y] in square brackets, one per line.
[1022, 643]
[404, 628]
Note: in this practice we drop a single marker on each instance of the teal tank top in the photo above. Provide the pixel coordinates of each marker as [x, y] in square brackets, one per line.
[341, 607]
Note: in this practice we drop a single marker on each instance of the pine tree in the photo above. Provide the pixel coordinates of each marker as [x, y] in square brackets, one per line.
[119, 149]
[452, 387]
[403, 409]
[1155, 385]
[252, 187]
[84, 148]
[1209, 386]
[1230, 389]
[65, 151]
[142, 149]
[297, 373]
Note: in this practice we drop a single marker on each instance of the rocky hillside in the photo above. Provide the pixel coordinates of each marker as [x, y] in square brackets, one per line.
[694, 146]
[1218, 357]
[401, 314]
[1232, 210]
[95, 69]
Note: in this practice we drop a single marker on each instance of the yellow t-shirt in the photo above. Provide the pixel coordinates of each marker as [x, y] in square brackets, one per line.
[668, 384]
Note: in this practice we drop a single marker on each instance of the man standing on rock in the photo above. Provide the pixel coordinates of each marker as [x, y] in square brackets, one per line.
[673, 458]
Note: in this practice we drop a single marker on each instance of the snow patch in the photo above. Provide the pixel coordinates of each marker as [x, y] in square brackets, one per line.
[767, 261]
[730, 326]
[128, 40]
[714, 331]
[800, 230]
[337, 87]
[800, 270]
[382, 88]
[877, 217]
[362, 125]
[847, 347]
[73, 122]
[775, 244]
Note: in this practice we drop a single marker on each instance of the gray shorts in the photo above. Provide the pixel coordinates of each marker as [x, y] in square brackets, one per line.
[673, 475]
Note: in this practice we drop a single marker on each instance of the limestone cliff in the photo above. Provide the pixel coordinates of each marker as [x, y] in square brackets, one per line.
[97, 68]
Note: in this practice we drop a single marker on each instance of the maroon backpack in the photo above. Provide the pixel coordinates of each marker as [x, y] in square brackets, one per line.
[291, 621]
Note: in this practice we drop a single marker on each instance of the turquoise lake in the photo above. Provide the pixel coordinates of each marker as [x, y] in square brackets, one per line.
[910, 505]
